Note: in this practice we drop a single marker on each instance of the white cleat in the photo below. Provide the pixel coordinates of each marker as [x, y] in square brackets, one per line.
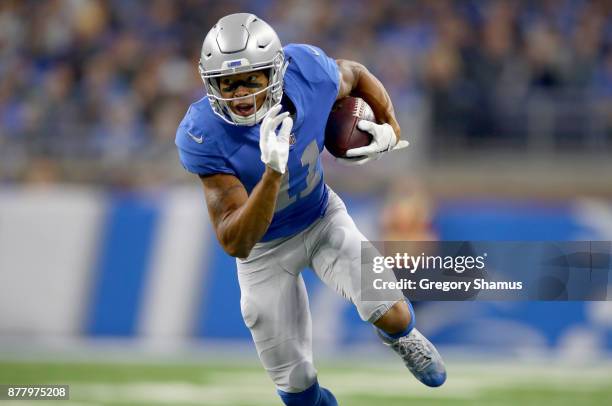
[420, 357]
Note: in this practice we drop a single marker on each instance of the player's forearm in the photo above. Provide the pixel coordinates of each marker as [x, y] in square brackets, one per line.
[370, 89]
[244, 227]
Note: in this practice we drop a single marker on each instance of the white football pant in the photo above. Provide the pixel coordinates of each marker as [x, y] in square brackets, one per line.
[274, 302]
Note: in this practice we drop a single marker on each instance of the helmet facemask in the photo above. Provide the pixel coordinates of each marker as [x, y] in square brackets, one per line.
[274, 90]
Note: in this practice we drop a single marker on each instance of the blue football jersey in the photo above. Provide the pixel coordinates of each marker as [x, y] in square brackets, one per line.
[208, 145]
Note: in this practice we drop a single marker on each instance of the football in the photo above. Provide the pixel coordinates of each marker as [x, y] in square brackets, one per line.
[341, 132]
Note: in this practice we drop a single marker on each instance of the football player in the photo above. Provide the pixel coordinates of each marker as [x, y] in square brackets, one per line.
[255, 142]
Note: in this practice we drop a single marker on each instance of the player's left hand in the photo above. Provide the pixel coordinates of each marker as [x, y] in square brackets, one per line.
[383, 140]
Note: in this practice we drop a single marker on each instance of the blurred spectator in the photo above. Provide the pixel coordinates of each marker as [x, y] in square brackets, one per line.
[407, 214]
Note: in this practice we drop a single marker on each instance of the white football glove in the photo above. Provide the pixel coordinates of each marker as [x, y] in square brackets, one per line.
[275, 149]
[383, 140]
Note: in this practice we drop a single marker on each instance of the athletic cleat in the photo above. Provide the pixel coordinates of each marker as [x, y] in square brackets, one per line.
[420, 357]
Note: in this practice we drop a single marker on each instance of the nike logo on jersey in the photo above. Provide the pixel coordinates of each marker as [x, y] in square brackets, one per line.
[199, 139]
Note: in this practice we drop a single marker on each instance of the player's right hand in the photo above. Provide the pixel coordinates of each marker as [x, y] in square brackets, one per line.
[275, 148]
[383, 140]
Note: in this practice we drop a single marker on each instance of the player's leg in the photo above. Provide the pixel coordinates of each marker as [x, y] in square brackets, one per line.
[274, 307]
[398, 320]
[335, 250]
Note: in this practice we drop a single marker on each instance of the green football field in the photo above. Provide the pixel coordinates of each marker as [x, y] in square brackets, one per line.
[355, 384]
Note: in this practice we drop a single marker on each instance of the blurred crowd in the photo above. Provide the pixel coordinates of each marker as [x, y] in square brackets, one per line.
[106, 82]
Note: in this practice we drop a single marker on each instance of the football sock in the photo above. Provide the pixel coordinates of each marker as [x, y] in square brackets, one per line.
[404, 332]
[313, 396]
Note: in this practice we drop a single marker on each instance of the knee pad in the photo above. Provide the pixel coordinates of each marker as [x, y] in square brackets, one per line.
[249, 311]
[313, 396]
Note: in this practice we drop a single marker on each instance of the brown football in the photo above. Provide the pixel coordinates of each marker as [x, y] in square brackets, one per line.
[341, 132]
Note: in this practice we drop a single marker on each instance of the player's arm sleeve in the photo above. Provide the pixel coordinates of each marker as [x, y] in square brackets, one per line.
[325, 70]
[329, 67]
[202, 159]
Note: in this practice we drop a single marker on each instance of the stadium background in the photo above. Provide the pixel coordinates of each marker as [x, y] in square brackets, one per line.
[110, 277]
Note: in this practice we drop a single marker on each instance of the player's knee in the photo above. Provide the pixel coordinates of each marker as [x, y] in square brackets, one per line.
[314, 395]
[337, 239]
[249, 310]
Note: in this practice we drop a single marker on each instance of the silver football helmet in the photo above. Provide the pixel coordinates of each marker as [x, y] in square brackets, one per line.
[242, 43]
